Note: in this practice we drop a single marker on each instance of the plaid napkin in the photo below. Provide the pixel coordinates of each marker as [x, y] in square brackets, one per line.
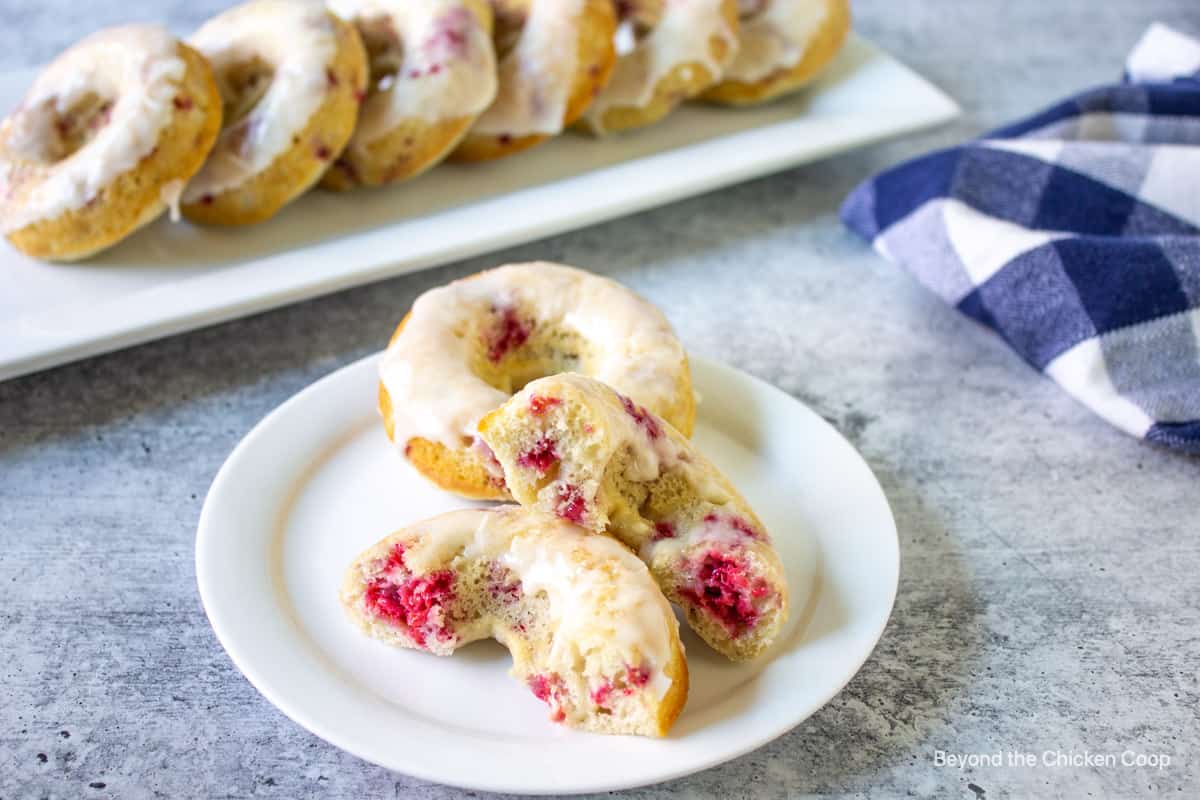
[1075, 235]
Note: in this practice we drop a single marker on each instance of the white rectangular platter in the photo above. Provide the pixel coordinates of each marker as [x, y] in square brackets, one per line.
[173, 277]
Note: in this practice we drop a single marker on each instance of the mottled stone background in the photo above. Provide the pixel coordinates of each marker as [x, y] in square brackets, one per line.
[1049, 594]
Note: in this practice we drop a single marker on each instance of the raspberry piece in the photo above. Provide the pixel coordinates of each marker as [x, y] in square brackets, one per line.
[550, 690]
[396, 558]
[502, 584]
[724, 589]
[540, 686]
[602, 694]
[449, 37]
[638, 676]
[417, 605]
[643, 418]
[663, 530]
[539, 403]
[571, 505]
[507, 334]
[735, 522]
[540, 457]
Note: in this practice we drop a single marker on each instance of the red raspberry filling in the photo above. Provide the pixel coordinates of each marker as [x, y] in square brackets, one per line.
[396, 558]
[502, 584]
[417, 604]
[663, 530]
[725, 590]
[508, 332]
[738, 524]
[638, 676]
[491, 464]
[540, 457]
[602, 694]
[571, 505]
[643, 418]
[550, 690]
[449, 37]
[539, 403]
[634, 679]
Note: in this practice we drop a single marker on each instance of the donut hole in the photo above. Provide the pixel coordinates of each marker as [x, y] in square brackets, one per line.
[635, 20]
[516, 349]
[58, 131]
[509, 16]
[243, 84]
[643, 15]
[385, 51]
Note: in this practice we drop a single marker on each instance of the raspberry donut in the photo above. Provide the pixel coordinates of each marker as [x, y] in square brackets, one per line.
[555, 55]
[670, 50]
[466, 347]
[104, 140]
[291, 77]
[433, 71]
[588, 630]
[784, 44]
[574, 447]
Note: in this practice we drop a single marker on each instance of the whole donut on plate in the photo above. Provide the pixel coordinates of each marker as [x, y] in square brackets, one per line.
[104, 141]
[291, 76]
[465, 348]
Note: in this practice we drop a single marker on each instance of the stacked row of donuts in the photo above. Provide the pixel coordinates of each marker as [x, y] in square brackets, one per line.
[571, 395]
[274, 96]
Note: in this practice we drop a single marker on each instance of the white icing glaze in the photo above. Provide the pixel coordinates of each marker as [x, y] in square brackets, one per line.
[137, 68]
[298, 40]
[427, 370]
[600, 595]
[683, 35]
[536, 76]
[170, 193]
[776, 37]
[446, 67]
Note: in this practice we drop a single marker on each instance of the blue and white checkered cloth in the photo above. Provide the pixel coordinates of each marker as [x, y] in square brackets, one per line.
[1075, 235]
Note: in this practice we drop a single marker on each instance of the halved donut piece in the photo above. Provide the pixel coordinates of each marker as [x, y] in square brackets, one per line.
[784, 45]
[291, 76]
[588, 630]
[574, 447]
[555, 56]
[104, 140]
[668, 52]
[433, 71]
[466, 347]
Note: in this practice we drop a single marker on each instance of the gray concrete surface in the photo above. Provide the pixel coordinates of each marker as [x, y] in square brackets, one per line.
[1049, 596]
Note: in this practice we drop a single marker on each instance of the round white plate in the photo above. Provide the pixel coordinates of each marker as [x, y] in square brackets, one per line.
[316, 482]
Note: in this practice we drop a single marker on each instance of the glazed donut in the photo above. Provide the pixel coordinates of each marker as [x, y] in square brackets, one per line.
[433, 71]
[784, 44]
[572, 446]
[104, 140]
[291, 77]
[669, 51]
[555, 55]
[588, 630]
[466, 347]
